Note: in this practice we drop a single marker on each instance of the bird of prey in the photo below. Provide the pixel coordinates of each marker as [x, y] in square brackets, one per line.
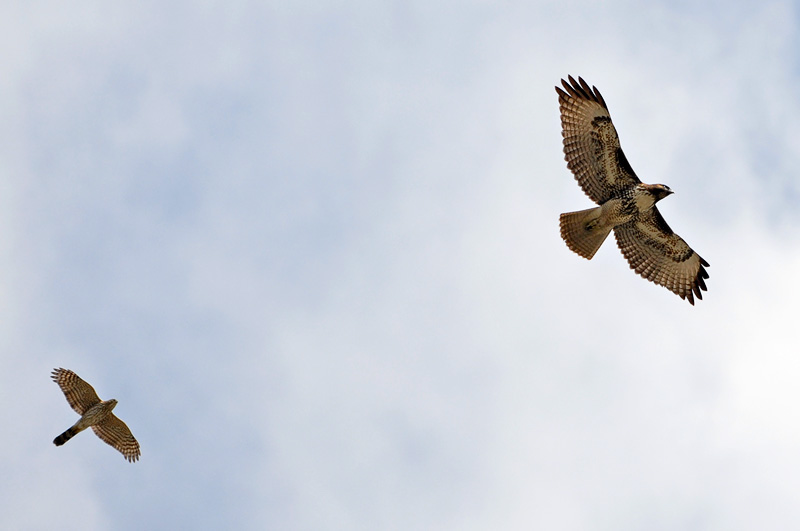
[627, 206]
[95, 413]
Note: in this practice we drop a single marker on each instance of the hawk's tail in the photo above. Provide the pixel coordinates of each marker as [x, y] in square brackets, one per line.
[583, 232]
[64, 437]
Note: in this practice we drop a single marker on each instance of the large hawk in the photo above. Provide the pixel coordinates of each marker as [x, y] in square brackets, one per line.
[627, 205]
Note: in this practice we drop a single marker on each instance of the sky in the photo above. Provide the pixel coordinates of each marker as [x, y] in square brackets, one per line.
[312, 249]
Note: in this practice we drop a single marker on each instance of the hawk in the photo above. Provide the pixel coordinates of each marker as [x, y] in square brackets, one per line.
[627, 205]
[95, 413]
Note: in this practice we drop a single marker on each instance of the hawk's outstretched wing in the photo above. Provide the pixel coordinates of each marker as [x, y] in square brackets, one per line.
[591, 145]
[80, 395]
[116, 433]
[661, 256]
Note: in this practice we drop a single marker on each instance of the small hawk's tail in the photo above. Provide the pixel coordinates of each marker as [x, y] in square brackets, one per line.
[582, 231]
[64, 437]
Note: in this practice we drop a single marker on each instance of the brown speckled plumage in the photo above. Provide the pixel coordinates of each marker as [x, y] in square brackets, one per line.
[627, 206]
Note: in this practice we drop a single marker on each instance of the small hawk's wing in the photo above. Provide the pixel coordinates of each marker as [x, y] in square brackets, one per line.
[591, 145]
[80, 395]
[661, 256]
[116, 433]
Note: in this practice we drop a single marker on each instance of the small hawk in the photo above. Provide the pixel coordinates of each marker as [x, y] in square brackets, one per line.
[96, 414]
[592, 152]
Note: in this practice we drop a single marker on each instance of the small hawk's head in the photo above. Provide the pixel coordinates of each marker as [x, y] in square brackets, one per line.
[112, 403]
[659, 191]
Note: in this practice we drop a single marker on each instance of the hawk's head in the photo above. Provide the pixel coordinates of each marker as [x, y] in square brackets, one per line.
[659, 191]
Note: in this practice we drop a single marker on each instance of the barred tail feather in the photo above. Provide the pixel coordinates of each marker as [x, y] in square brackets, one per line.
[582, 231]
[64, 437]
